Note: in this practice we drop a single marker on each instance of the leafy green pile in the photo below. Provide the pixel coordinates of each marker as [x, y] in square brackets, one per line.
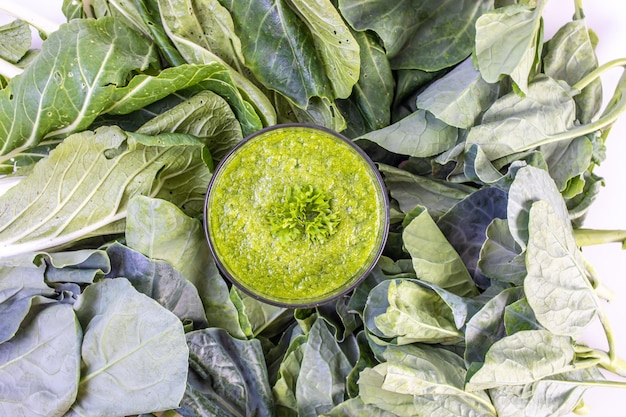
[486, 135]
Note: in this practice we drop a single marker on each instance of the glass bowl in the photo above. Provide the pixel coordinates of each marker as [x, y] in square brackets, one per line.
[296, 215]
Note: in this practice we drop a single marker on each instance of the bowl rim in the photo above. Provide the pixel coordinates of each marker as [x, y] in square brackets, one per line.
[340, 290]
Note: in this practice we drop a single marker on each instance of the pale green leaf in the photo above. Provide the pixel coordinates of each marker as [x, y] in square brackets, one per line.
[133, 350]
[557, 287]
[15, 40]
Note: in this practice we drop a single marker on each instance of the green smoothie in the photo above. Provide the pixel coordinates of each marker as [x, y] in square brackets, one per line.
[296, 215]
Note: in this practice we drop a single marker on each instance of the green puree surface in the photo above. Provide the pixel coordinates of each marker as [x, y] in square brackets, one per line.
[259, 176]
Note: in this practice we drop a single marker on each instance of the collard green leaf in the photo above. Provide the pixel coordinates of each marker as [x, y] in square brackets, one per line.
[369, 106]
[486, 326]
[557, 287]
[284, 390]
[206, 116]
[420, 134]
[517, 123]
[20, 281]
[501, 258]
[40, 366]
[96, 174]
[321, 383]
[506, 42]
[427, 35]
[569, 55]
[338, 49]
[422, 380]
[459, 97]
[434, 258]
[355, 407]
[227, 376]
[529, 185]
[70, 82]
[15, 40]
[79, 266]
[160, 230]
[552, 397]
[159, 281]
[520, 316]
[279, 49]
[465, 225]
[134, 353]
[567, 160]
[411, 313]
[411, 190]
[523, 358]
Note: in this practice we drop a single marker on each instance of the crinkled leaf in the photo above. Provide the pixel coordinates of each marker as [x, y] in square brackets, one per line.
[134, 352]
[79, 266]
[96, 173]
[206, 116]
[459, 97]
[465, 225]
[15, 40]
[284, 390]
[70, 82]
[486, 326]
[324, 368]
[501, 258]
[506, 41]
[40, 366]
[227, 376]
[427, 35]
[434, 258]
[420, 134]
[279, 49]
[160, 281]
[552, 397]
[162, 231]
[529, 185]
[20, 281]
[410, 313]
[411, 190]
[522, 358]
[557, 287]
[514, 123]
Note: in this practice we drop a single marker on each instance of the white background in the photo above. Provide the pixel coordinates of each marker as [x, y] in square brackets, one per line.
[608, 19]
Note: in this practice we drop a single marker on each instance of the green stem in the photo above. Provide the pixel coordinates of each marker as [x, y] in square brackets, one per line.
[578, 13]
[590, 237]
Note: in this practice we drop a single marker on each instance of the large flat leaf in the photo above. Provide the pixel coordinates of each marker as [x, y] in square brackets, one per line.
[134, 352]
[39, 367]
[523, 358]
[15, 40]
[160, 230]
[227, 377]
[515, 123]
[434, 258]
[419, 134]
[70, 82]
[557, 287]
[459, 97]
[506, 42]
[427, 35]
[94, 176]
[279, 49]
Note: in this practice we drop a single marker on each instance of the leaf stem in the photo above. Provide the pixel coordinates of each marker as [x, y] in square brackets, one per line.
[590, 237]
[9, 70]
[44, 25]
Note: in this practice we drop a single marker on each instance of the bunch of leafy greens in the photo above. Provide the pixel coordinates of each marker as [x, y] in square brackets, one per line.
[486, 135]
